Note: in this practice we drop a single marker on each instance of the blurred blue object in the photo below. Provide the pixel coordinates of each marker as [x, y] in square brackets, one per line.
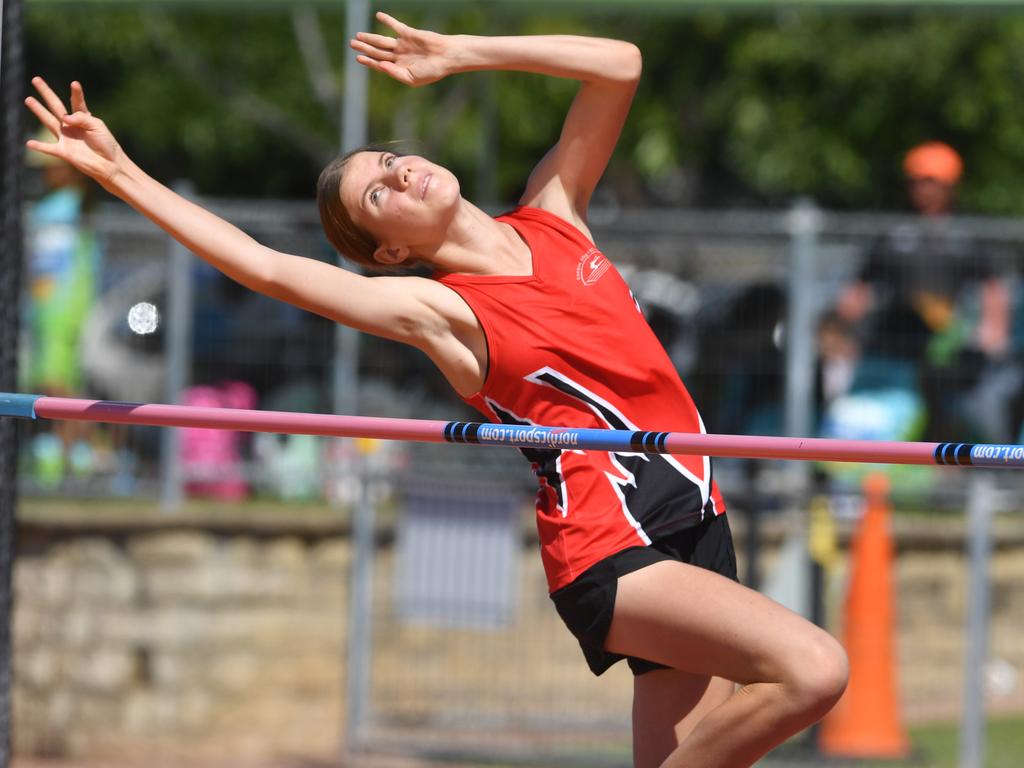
[881, 414]
[893, 413]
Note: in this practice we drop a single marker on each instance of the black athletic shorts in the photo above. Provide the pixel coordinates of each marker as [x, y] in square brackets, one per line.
[586, 605]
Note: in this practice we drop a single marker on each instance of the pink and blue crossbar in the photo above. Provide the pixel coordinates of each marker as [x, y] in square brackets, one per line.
[472, 433]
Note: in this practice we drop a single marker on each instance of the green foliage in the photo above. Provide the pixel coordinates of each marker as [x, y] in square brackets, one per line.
[733, 108]
[827, 105]
[937, 745]
[174, 87]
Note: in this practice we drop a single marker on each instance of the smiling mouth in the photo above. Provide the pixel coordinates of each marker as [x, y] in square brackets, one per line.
[425, 184]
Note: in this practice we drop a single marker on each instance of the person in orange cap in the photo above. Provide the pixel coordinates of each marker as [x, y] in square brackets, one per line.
[932, 303]
[933, 170]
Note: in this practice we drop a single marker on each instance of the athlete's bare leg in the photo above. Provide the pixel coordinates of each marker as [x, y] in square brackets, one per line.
[667, 705]
[688, 618]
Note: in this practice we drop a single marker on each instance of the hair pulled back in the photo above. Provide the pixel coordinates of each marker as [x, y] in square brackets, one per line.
[350, 240]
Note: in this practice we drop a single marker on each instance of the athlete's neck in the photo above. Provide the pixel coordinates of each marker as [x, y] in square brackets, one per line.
[477, 244]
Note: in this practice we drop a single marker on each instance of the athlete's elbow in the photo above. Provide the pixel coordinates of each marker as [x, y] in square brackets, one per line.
[630, 63]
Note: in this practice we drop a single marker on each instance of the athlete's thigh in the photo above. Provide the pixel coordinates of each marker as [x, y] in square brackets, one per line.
[667, 705]
[692, 619]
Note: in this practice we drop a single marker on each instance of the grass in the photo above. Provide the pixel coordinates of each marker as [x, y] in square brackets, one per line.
[938, 746]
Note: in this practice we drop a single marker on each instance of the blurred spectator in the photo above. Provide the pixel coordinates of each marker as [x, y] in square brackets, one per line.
[743, 362]
[839, 355]
[211, 459]
[931, 300]
[64, 259]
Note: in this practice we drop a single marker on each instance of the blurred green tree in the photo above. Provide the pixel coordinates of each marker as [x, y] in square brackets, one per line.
[734, 108]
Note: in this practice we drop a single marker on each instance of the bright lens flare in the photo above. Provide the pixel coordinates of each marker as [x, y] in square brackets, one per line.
[143, 318]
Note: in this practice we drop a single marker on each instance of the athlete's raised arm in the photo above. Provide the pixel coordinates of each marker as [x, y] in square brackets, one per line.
[609, 71]
[404, 309]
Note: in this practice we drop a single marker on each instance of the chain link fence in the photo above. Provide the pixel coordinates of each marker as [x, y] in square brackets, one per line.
[462, 654]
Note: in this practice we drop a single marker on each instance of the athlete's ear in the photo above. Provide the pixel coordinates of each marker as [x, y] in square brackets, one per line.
[391, 255]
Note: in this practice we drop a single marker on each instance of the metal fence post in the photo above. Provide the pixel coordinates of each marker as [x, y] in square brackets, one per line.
[804, 224]
[11, 266]
[346, 400]
[980, 511]
[360, 612]
[353, 135]
[177, 360]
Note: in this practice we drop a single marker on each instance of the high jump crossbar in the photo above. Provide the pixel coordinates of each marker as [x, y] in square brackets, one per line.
[514, 435]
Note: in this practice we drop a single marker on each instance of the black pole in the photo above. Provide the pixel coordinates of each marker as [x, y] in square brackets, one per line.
[11, 260]
[754, 508]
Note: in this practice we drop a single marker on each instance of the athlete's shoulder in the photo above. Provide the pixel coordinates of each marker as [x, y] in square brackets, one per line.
[544, 218]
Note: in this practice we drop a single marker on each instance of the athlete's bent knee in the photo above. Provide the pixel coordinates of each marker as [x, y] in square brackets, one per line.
[820, 679]
[812, 680]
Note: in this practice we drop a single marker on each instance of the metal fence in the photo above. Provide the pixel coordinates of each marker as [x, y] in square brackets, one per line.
[744, 303]
[458, 649]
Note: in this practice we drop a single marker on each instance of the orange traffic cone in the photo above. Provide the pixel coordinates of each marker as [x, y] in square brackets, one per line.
[867, 721]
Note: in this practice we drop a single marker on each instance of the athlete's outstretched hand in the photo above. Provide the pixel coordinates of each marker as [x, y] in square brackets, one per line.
[414, 57]
[82, 139]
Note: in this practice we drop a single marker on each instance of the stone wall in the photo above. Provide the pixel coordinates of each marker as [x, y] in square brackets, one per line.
[173, 634]
[932, 594]
[183, 634]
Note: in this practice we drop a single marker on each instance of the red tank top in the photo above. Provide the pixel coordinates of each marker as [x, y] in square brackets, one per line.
[568, 346]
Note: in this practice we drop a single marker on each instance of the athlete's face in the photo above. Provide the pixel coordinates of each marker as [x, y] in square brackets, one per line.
[404, 201]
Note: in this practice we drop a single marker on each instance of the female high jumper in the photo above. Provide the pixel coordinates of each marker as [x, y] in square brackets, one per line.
[530, 323]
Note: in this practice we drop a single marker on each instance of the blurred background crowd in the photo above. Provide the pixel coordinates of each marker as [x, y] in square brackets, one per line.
[918, 318]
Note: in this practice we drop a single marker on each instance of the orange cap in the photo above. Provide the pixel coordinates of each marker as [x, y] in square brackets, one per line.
[933, 160]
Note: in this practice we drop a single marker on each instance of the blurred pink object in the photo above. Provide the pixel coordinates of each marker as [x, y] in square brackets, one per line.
[211, 458]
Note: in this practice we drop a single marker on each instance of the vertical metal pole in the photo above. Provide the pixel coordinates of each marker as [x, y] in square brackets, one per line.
[360, 622]
[753, 505]
[177, 361]
[353, 135]
[980, 511]
[804, 224]
[346, 400]
[11, 264]
[1, 37]
[487, 154]
[487, 157]
[804, 227]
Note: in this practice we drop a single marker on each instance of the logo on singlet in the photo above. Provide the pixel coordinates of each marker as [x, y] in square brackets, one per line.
[592, 265]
